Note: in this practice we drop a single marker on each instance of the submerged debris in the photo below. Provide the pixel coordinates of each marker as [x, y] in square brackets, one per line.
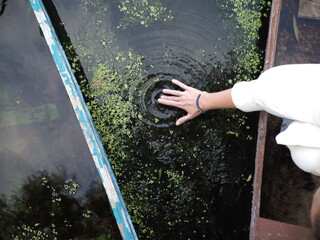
[295, 27]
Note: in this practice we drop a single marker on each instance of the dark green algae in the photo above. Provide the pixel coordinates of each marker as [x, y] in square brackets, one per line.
[191, 182]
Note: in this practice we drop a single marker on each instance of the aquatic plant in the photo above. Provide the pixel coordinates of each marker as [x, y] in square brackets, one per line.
[48, 206]
[244, 20]
[142, 12]
[177, 183]
[111, 106]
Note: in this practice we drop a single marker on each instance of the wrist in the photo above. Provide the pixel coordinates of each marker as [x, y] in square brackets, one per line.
[205, 101]
[200, 102]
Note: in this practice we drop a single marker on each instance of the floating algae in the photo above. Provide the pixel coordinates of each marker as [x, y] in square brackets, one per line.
[174, 180]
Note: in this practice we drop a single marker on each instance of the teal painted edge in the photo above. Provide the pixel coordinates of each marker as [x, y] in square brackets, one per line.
[90, 133]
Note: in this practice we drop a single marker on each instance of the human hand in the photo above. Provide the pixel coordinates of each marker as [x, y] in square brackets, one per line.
[185, 100]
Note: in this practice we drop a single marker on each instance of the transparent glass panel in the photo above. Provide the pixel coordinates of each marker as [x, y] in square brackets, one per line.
[49, 185]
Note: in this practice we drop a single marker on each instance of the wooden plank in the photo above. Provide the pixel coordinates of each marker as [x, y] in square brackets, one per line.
[263, 119]
[272, 34]
[262, 228]
[274, 230]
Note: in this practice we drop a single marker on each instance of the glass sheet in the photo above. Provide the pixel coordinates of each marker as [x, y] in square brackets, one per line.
[49, 185]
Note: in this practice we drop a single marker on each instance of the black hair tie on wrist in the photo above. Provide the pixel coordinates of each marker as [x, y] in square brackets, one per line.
[197, 104]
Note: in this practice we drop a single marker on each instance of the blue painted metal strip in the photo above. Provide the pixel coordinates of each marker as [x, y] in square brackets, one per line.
[90, 133]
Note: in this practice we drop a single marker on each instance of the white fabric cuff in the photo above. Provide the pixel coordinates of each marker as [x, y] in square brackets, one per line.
[300, 134]
[243, 97]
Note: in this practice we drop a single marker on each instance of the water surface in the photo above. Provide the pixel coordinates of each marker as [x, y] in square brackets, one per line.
[189, 182]
[48, 182]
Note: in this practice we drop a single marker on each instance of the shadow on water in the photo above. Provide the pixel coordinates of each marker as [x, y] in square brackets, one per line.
[191, 182]
[48, 206]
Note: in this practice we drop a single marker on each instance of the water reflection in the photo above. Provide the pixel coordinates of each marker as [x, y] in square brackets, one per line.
[48, 182]
[48, 206]
[178, 183]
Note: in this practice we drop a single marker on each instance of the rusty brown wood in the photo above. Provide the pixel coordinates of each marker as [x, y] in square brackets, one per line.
[272, 34]
[261, 141]
[262, 228]
[263, 119]
[273, 230]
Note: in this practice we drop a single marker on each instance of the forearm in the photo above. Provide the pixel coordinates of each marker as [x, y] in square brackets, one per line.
[189, 100]
[217, 100]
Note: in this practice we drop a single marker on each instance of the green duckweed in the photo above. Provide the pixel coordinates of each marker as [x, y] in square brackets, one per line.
[168, 180]
[142, 12]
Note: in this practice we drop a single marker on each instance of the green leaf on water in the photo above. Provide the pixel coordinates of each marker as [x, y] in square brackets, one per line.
[295, 28]
[160, 174]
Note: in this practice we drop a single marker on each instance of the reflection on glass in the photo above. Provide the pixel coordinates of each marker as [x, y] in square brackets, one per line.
[48, 182]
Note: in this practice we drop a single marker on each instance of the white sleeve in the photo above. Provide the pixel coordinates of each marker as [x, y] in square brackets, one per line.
[287, 91]
[243, 97]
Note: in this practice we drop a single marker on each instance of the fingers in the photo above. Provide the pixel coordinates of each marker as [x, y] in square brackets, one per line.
[172, 92]
[172, 98]
[183, 120]
[169, 102]
[176, 92]
[180, 84]
[181, 99]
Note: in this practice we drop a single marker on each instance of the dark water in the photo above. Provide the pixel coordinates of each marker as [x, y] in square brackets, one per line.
[48, 182]
[188, 182]
[191, 182]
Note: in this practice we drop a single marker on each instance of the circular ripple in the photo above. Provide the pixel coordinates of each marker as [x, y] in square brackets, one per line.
[160, 71]
[145, 93]
[185, 49]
